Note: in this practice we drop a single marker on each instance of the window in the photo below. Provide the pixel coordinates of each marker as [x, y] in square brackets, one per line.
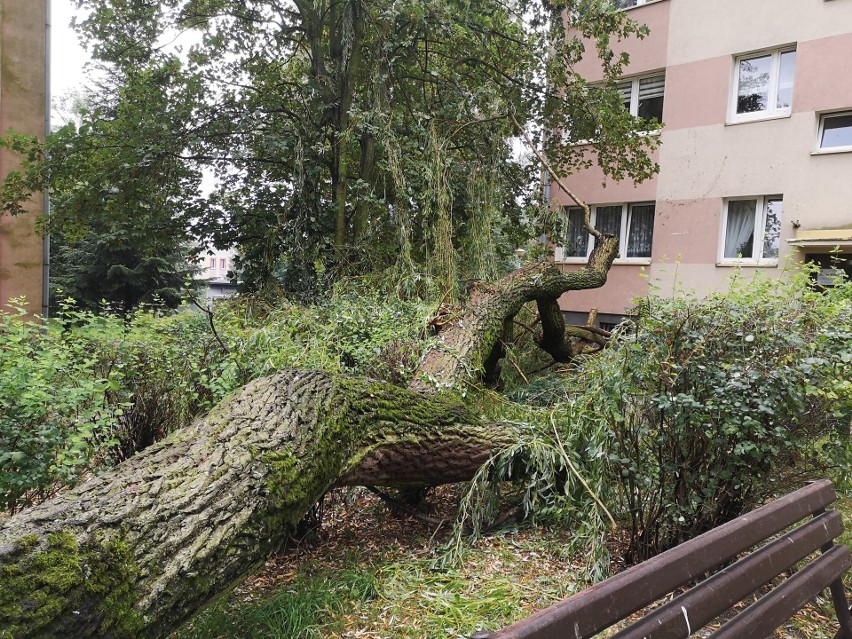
[764, 85]
[633, 224]
[835, 131]
[643, 97]
[213, 263]
[222, 263]
[576, 237]
[627, 4]
[752, 230]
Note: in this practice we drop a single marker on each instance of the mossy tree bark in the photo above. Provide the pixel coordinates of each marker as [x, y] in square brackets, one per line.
[135, 551]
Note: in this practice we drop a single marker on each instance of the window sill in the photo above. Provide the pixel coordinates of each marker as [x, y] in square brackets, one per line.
[621, 261]
[747, 264]
[832, 150]
[655, 133]
[764, 118]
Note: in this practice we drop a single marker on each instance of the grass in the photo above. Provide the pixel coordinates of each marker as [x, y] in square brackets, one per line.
[308, 608]
[372, 578]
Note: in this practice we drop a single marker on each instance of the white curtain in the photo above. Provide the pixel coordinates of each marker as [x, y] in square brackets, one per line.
[739, 234]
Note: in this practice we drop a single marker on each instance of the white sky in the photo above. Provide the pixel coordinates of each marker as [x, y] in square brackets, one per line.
[67, 57]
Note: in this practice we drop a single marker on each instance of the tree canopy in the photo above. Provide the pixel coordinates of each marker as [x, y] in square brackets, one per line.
[322, 138]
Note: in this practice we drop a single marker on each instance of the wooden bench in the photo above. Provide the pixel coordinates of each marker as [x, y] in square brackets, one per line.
[601, 606]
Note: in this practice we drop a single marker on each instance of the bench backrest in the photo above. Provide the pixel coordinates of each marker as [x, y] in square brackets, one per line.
[597, 608]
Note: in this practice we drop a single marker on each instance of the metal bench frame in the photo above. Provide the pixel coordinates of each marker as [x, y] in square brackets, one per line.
[599, 607]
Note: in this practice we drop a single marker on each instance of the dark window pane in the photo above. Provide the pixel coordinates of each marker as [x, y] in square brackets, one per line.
[753, 84]
[608, 220]
[640, 233]
[836, 131]
[739, 233]
[772, 229]
[625, 4]
[651, 92]
[576, 236]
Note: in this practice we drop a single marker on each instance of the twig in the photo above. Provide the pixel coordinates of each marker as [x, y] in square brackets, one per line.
[587, 215]
[528, 329]
[514, 365]
[209, 314]
[576, 472]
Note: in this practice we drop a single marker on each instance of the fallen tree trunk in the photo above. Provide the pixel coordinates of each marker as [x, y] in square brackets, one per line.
[137, 550]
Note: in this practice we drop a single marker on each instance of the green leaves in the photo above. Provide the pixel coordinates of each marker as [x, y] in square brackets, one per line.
[54, 417]
[717, 397]
[334, 138]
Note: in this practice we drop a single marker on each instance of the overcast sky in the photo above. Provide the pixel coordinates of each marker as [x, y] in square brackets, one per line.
[67, 57]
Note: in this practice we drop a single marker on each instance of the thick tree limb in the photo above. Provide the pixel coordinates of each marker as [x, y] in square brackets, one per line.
[466, 342]
[137, 550]
[173, 526]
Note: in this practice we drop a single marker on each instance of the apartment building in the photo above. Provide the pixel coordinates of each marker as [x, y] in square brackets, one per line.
[215, 272]
[23, 97]
[755, 157]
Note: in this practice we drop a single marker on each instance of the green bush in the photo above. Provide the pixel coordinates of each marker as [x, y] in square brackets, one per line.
[84, 390]
[55, 421]
[712, 400]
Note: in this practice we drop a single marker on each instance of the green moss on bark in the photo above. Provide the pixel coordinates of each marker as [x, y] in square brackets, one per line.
[43, 580]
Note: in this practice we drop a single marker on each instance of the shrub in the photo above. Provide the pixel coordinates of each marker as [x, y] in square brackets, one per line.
[84, 390]
[710, 400]
[55, 421]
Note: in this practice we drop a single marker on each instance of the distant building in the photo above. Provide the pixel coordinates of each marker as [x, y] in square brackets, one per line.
[755, 157]
[214, 271]
[23, 98]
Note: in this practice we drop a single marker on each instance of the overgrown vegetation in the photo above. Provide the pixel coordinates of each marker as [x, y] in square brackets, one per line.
[88, 390]
[711, 403]
[339, 138]
[698, 408]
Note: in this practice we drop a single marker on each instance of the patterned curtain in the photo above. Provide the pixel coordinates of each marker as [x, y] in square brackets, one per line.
[640, 230]
[576, 237]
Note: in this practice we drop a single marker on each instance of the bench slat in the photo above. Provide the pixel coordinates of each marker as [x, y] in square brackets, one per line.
[769, 612]
[706, 601]
[588, 612]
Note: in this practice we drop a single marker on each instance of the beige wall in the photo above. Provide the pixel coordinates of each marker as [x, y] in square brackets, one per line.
[702, 29]
[704, 159]
[22, 100]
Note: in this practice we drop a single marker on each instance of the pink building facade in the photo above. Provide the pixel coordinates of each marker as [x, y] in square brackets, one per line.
[23, 96]
[755, 157]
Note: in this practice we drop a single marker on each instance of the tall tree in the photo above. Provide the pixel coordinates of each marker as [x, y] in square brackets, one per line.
[344, 136]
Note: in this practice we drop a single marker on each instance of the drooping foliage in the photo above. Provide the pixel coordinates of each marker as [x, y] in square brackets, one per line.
[335, 137]
[698, 409]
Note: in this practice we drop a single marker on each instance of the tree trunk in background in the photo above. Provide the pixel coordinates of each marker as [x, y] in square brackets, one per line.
[137, 550]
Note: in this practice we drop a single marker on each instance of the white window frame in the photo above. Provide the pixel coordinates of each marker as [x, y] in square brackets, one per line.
[821, 129]
[634, 89]
[774, 76]
[759, 221]
[639, 3]
[622, 236]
